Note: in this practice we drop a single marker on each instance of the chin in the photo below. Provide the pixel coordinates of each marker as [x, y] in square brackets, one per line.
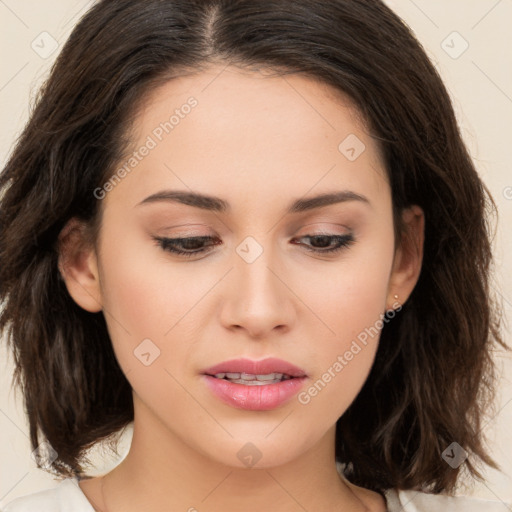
[257, 452]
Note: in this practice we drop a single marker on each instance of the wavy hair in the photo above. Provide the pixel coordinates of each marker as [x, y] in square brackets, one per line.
[433, 377]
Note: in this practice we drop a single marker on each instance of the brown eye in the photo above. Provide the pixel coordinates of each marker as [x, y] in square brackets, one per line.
[185, 246]
[321, 241]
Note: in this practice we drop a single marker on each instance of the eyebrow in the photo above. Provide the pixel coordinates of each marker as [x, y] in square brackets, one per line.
[216, 204]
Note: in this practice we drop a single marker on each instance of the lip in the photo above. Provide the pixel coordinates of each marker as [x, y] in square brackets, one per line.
[255, 398]
[265, 366]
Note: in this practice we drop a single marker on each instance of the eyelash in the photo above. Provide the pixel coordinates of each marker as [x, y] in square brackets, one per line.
[343, 241]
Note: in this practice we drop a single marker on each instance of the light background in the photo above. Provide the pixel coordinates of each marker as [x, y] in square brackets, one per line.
[479, 79]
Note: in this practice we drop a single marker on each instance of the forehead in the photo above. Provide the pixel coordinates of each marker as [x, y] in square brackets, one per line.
[234, 98]
[253, 133]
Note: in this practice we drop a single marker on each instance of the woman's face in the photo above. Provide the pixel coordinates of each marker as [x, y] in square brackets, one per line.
[265, 147]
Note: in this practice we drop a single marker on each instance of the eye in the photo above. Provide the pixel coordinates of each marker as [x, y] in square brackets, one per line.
[321, 244]
[321, 241]
[189, 246]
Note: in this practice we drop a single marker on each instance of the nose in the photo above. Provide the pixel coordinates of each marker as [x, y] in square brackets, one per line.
[257, 298]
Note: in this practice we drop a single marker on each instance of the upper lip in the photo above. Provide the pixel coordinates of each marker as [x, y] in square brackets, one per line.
[261, 367]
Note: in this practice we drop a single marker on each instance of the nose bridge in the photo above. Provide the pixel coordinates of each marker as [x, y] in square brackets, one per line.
[255, 269]
[258, 299]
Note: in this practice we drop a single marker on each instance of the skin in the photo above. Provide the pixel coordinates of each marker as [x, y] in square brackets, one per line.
[258, 142]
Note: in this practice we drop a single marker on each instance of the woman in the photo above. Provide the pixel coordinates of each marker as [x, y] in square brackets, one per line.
[253, 229]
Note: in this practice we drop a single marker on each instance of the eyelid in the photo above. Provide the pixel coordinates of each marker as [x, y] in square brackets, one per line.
[188, 229]
[320, 231]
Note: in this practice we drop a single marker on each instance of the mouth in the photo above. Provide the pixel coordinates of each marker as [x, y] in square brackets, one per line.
[255, 385]
[255, 373]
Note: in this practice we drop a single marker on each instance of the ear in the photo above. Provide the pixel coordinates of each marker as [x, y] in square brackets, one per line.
[408, 257]
[78, 266]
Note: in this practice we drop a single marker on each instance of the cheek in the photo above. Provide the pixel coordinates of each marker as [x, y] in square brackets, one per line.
[352, 296]
[351, 305]
[345, 359]
[143, 308]
[143, 292]
[139, 302]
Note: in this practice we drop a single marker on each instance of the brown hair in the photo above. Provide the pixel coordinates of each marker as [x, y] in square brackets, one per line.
[433, 375]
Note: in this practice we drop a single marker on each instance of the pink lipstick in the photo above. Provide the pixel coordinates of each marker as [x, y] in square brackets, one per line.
[255, 385]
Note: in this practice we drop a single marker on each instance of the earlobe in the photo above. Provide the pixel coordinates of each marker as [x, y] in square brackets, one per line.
[78, 266]
[408, 257]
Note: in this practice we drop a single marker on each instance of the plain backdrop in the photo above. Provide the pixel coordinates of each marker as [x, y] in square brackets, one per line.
[469, 41]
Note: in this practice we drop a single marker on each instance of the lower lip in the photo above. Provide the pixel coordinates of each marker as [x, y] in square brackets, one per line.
[254, 398]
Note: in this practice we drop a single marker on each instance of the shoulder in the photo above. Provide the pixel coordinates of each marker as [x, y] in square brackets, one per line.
[415, 501]
[64, 497]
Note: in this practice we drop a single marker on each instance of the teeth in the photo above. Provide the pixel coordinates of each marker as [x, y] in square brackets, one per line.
[253, 380]
[270, 376]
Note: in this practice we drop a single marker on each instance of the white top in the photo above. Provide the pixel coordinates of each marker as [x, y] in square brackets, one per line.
[68, 497]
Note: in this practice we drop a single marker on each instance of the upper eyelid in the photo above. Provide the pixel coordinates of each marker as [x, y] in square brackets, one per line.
[311, 233]
[310, 229]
